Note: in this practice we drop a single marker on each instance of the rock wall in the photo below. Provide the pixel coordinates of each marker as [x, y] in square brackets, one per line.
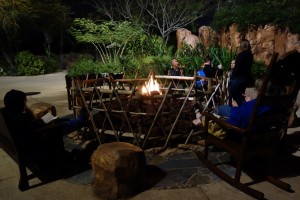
[264, 40]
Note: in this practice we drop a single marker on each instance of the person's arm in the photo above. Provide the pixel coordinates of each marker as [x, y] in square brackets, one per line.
[181, 71]
[238, 65]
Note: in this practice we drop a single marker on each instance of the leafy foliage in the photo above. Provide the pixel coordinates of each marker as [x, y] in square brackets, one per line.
[190, 58]
[222, 56]
[122, 47]
[258, 13]
[194, 58]
[111, 39]
[84, 65]
[29, 64]
[12, 11]
[258, 69]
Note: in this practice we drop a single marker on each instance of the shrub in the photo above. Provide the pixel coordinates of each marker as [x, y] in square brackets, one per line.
[83, 65]
[258, 69]
[52, 64]
[29, 64]
[222, 56]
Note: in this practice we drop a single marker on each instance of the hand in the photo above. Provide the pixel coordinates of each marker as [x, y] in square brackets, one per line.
[234, 103]
[247, 98]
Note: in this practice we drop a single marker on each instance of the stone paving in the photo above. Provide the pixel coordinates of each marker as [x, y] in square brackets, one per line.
[175, 173]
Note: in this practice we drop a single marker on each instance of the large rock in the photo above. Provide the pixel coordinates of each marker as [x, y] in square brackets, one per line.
[207, 36]
[264, 40]
[185, 36]
[119, 169]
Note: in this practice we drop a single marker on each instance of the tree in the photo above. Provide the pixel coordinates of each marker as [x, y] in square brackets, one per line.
[52, 18]
[111, 39]
[47, 16]
[169, 15]
[246, 14]
[162, 16]
[11, 14]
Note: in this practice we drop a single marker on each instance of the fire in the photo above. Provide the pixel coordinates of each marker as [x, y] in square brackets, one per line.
[150, 87]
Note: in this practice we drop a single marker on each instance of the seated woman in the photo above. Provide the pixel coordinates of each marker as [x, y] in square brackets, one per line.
[239, 115]
[40, 143]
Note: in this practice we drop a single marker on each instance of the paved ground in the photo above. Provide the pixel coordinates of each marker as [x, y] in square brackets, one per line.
[52, 88]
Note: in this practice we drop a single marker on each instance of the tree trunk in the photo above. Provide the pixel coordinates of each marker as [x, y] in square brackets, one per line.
[8, 59]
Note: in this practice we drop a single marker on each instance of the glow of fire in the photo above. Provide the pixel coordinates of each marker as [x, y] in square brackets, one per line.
[150, 86]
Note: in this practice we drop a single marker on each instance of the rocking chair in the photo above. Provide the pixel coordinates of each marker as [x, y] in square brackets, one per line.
[255, 142]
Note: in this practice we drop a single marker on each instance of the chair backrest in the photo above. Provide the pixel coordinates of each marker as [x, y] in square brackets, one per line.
[6, 141]
[278, 91]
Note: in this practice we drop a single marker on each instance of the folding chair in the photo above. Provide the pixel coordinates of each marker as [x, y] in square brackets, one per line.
[207, 95]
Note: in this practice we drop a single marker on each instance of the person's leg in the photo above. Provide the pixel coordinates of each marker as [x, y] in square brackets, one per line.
[237, 90]
[70, 125]
[223, 111]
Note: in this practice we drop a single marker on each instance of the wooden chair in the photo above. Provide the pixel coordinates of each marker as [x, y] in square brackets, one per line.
[253, 143]
[17, 154]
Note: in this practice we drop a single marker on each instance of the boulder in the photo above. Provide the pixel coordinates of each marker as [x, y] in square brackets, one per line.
[185, 36]
[119, 169]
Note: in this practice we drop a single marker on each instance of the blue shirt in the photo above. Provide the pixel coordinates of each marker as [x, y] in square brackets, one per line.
[239, 116]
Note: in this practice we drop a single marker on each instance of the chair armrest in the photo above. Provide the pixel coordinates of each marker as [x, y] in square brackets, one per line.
[221, 122]
[48, 128]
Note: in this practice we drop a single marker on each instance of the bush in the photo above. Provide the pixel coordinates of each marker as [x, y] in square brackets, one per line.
[258, 69]
[29, 64]
[52, 64]
[83, 65]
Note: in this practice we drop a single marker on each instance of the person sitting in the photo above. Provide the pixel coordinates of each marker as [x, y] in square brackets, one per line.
[176, 70]
[201, 83]
[208, 69]
[42, 143]
[209, 72]
[239, 115]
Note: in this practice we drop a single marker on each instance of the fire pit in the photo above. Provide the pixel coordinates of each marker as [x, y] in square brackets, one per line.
[149, 113]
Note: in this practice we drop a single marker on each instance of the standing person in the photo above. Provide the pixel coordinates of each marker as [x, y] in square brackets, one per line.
[176, 70]
[241, 75]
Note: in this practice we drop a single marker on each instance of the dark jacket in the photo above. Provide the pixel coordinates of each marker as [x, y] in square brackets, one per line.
[243, 66]
[177, 72]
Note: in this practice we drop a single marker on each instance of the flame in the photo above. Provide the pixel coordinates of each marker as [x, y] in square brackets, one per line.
[150, 86]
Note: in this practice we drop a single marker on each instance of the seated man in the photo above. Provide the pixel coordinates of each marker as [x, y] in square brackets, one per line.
[41, 143]
[176, 70]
